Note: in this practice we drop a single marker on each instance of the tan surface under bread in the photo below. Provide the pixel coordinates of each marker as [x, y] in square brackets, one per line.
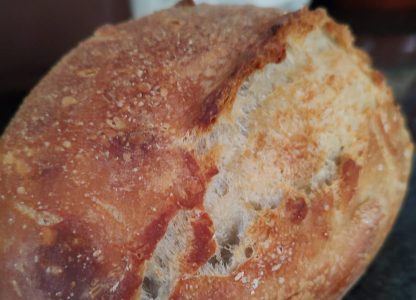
[116, 156]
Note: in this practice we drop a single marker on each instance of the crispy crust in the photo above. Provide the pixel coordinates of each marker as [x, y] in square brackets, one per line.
[91, 172]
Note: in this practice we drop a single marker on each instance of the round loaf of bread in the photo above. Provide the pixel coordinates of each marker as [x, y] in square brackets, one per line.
[202, 152]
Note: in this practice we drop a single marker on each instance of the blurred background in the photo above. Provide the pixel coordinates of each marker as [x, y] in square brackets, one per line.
[35, 34]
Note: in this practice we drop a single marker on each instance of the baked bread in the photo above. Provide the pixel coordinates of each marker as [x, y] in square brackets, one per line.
[202, 152]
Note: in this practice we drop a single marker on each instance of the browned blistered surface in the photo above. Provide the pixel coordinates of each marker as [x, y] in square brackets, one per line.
[92, 173]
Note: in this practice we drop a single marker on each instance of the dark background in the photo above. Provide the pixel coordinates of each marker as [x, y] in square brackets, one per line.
[35, 34]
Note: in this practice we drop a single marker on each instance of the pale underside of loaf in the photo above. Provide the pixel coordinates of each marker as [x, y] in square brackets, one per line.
[300, 175]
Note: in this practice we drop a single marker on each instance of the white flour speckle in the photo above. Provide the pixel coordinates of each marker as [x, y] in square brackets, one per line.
[239, 276]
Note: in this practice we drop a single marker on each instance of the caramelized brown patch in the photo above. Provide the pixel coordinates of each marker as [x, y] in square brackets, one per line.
[203, 246]
[73, 266]
[194, 183]
[48, 236]
[49, 172]
[118, 146]
[377, 78]
[152, 234]
[260, 143]
[350, 172]
[193, 188]
[148, 145]
[65, 267]
[296, 209]
[268, 50]
[211, 172]
[121, 279]
[211, 108]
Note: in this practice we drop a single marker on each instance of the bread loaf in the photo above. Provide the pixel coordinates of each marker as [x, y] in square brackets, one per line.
[202, 152]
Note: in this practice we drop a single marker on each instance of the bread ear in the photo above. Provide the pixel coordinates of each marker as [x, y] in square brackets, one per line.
[185, 3]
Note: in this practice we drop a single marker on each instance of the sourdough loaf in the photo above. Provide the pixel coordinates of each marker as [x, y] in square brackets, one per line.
[202, 152]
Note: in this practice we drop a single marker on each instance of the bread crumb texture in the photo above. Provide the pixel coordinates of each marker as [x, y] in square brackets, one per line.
[202, 152]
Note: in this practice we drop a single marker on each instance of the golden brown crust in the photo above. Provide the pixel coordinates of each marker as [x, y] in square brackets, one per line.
[92, 174]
